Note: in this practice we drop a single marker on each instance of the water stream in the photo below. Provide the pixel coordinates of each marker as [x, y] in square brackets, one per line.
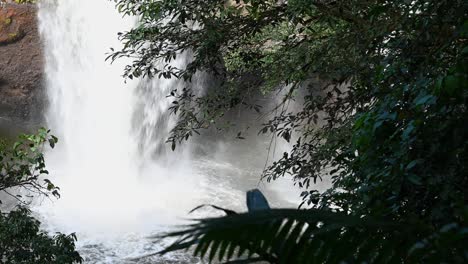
[119, 182]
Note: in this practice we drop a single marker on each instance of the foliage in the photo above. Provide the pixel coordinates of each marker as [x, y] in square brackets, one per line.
[22, 172]
[310, 236]
[21, 241]
[23, 165]
[387, 125]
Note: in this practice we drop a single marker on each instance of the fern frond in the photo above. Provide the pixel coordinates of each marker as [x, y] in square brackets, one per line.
[284, 236]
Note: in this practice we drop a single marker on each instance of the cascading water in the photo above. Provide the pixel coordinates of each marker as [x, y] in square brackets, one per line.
[107, 186]
[108, 163]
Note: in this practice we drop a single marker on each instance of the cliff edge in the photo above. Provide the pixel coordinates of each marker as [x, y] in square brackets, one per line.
[21, 64]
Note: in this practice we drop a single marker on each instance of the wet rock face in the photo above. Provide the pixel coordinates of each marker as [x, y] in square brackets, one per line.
[21, 64]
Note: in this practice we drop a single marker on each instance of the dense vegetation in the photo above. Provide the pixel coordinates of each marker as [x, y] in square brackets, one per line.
[388, 124]
[22, 172]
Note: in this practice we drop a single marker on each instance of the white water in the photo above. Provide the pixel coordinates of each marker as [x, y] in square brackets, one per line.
[117, 184]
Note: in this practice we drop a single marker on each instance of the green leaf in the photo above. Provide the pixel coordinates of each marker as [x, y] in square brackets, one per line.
[52, 143]
[424, 99]
[413, 163]
[414, 179]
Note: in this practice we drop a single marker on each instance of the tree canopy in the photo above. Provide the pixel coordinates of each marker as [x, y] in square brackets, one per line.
[387, 125]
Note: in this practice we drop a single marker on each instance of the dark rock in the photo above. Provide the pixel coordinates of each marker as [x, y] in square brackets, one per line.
[256, 201]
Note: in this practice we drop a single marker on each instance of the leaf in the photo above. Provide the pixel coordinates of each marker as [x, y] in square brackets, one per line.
[227, 211]
[408, 130]
[413, 163]
[287, 136]
[424, 99]
[16, 145]
[56, 193]
[414, 179]
[52, 143]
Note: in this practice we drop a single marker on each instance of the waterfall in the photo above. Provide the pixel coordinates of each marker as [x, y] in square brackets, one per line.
[107, 128]
[117, 183]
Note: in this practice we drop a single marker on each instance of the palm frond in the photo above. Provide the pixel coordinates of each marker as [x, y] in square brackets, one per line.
[226, 211]
[285, 236]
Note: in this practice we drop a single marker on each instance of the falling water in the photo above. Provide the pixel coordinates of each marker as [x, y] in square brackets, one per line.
[115, 187]
[108, 188]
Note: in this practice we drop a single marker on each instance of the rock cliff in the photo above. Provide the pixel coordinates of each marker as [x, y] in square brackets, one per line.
[21, 64]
